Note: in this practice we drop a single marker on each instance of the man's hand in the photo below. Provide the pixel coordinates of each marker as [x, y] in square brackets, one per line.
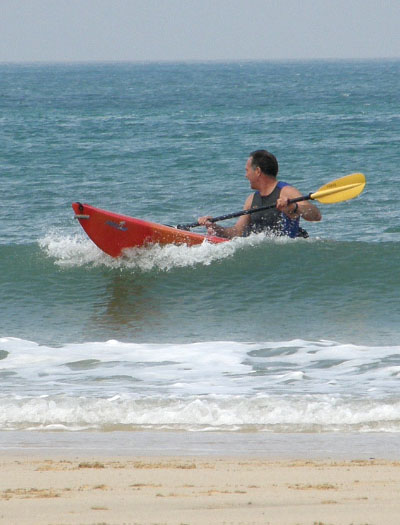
[206, 221]
[290, 209]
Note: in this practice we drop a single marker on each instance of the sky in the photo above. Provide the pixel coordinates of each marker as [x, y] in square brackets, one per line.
[197, 30]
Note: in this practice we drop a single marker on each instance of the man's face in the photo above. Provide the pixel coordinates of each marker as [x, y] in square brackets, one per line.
[251, 173]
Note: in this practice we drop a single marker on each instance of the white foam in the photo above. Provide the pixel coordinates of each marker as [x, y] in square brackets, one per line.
[77, 250]
[232, 413]
[273, 386]
[211, 367]
[72, 250]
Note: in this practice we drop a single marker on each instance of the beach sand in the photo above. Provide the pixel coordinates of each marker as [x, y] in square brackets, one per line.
[36, 489]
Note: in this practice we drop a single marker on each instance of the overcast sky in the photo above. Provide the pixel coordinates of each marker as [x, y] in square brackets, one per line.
[175, 30]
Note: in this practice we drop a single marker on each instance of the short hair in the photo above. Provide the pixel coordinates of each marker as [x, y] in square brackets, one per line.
[264, 160]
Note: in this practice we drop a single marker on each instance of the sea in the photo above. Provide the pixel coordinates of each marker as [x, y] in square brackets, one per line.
[261, 336]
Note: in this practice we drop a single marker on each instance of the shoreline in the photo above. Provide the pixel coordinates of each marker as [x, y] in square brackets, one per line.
[282, 446]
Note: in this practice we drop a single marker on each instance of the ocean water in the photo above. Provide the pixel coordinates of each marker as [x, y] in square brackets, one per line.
[256, 335]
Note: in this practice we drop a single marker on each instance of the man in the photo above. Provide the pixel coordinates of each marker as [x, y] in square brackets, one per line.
[283, 219]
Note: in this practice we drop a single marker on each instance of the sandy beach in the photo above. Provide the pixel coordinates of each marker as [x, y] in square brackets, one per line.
[39, 490]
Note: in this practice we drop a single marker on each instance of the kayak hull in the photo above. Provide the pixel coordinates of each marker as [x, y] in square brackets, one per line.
[113, 232]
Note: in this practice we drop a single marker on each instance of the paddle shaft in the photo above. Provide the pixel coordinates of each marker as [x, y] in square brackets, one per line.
[243, 212]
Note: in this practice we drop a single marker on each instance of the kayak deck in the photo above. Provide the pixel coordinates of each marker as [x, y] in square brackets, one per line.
[113, 232]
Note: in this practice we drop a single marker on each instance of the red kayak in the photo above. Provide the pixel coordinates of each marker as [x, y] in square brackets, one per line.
[113, 233]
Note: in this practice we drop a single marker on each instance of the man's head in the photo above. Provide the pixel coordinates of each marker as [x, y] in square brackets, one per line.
[264, 160]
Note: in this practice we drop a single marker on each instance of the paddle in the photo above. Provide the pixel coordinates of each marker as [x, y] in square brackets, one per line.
[338, 190]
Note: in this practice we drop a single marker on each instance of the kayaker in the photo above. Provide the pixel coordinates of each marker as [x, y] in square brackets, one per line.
[261, 171]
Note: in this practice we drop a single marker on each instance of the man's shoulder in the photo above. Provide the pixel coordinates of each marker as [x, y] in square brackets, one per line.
[287, 190]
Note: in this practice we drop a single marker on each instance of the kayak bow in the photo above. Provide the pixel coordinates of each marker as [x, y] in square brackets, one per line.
[113, 233]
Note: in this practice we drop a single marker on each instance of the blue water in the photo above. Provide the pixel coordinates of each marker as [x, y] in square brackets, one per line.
[259, 334]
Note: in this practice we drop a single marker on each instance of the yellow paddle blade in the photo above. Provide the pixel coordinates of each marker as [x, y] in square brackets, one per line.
[341, 189]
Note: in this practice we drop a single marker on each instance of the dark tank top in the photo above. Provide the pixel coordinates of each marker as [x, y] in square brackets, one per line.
[272, 220]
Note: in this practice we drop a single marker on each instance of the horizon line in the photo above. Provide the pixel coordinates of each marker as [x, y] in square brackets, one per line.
[197, 61]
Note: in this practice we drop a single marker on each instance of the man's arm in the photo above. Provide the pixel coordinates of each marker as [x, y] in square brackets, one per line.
[304, 209]
[231, 231]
